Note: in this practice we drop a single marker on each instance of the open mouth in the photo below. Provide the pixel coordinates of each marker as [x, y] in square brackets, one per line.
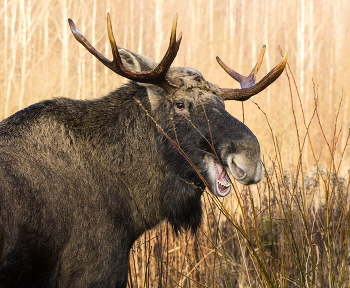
[223, 183]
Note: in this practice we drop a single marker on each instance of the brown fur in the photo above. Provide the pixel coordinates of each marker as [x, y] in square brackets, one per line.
[80, 181]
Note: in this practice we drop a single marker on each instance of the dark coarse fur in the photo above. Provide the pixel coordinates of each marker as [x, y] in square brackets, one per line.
[80, 181]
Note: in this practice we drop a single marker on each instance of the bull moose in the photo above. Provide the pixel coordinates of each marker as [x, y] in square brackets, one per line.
[80, 181]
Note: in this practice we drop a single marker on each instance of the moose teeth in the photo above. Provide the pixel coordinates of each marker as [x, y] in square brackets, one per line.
[224, 185]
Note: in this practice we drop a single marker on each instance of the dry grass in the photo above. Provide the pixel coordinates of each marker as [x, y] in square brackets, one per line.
[291, 230]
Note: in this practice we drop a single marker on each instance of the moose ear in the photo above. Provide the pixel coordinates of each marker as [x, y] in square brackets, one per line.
[136, 62]
[139, 63]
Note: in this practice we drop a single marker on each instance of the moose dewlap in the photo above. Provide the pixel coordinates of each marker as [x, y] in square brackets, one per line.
[80, 181]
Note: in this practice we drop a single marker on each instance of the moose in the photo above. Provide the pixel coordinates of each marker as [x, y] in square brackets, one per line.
[80, 181]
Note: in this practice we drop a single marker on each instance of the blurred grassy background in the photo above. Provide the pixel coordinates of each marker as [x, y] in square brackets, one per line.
[41, 60]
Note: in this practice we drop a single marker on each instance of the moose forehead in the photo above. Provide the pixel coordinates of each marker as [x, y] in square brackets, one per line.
[194, 87]
[193, 80]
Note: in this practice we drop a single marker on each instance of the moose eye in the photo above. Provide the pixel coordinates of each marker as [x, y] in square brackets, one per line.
[180, 106]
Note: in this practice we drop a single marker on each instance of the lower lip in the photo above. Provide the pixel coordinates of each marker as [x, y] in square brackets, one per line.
[225, 192]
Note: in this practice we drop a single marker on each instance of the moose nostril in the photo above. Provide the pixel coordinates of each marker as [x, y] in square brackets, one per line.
[237, 171]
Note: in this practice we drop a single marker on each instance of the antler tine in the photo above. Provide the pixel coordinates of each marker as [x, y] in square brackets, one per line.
[82, 39]
[258, 64]
[156, 76]
[170, 54]
[245, 81]
[249, 88]
[117, 61]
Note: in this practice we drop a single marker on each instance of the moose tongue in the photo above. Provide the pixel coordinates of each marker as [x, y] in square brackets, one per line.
[221, 173]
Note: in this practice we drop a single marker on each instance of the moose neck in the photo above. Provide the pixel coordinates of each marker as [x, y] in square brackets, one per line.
[124, 139]
[124, 149]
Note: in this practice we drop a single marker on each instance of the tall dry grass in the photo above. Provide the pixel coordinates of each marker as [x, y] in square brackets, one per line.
[289, 231]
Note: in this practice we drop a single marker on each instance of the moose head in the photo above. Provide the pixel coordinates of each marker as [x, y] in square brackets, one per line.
[186, 102]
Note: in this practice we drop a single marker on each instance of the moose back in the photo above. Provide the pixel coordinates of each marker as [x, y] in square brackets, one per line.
[80, 181]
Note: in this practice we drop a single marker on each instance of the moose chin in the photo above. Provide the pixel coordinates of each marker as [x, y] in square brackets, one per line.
[80, 181]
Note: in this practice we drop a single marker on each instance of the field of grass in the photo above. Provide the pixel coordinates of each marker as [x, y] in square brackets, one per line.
[290, 230]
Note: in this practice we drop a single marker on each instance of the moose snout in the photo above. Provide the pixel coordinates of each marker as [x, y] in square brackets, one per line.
[245, 170]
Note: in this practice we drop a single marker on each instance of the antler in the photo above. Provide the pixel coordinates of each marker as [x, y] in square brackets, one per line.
[249, 88]
[156, 76]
